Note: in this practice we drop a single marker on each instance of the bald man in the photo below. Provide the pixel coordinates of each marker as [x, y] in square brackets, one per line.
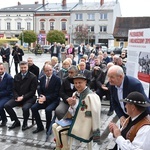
[120, 87]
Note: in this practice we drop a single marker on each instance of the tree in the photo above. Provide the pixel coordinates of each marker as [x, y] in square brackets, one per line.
[81, 33]
[55, 36]
[28, 37]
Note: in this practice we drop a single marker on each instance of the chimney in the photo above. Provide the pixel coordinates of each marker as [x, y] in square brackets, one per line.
[36, 2]
[80, 2]
[19, 3]
[63, 2]
[43, 2]
[101, 2]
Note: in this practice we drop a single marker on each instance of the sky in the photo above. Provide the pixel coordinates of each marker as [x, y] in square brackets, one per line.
[129, 8]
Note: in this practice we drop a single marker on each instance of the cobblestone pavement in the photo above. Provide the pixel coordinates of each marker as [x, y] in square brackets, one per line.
[17, 139]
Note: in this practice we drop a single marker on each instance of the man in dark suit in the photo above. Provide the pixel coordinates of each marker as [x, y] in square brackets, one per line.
[121, 86]
[102, 87]
[25, 84]
[54, 50]
[17, 54]
[81, 51]
[65, 92]
[5, 53]
[6, 92]
[84, 71]
[32, 67]
[48, 97]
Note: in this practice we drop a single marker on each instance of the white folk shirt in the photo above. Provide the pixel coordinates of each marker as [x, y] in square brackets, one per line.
[140, 142]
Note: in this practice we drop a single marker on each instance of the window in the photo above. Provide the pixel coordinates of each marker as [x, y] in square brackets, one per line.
[51, 25]
[91, 17]
[103, 16]
[18, 25]
[8, 27]
[79, 17]
[91, 28]
[28, 25]
[63, 25]
[42, 25]
[79, 28]
[103, 28]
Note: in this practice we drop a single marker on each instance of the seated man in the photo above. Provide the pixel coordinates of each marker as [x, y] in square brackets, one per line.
[84, 110]
[66, 91]
[25, 84]
[135, 132]
[6, 92]
[48, 97]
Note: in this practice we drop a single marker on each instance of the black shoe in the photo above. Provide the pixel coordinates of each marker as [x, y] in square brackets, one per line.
[14, 125]
[110, 113]
[3, 124]
[38, 130]
[25, 127]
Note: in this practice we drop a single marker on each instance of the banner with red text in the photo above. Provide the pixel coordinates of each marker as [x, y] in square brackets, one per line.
[138, 60]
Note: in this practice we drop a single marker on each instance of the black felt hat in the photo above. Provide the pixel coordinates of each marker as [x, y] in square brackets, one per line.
[136, 98]
[78, 76]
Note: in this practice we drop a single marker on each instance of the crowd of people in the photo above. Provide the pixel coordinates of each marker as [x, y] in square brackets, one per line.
[74, 90]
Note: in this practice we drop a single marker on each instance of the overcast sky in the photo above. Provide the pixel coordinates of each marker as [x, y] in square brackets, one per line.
[128, 7]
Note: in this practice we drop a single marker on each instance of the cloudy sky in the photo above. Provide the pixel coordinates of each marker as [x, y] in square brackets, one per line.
[128, 7]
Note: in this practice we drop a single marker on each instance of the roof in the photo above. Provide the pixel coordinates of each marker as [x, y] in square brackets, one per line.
[21, 8]
[57, 7]
[123, 24]
[96, 5]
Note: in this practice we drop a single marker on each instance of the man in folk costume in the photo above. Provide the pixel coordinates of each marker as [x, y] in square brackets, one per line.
[135, 132]
[85, 109]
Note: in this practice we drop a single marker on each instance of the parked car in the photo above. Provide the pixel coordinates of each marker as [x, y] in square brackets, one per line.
[110, 49]
[104, 49]
[46, 48]
[117, 50]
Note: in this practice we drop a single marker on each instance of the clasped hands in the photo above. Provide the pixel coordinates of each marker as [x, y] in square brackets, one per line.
[114, 129]
[41, 99]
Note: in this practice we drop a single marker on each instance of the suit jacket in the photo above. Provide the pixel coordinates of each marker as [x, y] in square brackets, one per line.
[26, 87]
[6, 87]
[34, 69]
[52, 91]
[65, 90]
[52, 51]
[6, 53]
[130, 84]
[17, 54]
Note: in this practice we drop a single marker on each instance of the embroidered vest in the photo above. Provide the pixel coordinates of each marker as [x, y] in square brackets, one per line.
[134, 129]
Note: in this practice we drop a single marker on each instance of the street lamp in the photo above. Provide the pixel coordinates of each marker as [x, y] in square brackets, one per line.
[70, 33]
[89, 30]
[22, 36]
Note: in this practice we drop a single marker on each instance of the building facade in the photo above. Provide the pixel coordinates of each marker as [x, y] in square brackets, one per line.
[99, 18]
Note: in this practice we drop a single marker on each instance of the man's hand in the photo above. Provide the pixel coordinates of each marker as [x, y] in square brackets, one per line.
[71, 101]
[41, 99]
[122, 120]
[114, 129]
[104, 87]
[19, 98]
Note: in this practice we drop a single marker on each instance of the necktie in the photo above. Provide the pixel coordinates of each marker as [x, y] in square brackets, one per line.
[23, 75]
[47, 82]
[0, 78]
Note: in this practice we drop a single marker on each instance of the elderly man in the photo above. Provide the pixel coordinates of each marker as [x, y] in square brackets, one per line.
[121, 86]
[48, 97]
[135, 132]
[66, 91]
[84, 110]
[25, 84]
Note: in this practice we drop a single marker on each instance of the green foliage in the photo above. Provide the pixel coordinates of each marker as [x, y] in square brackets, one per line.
[55, 36]
[29, 36]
